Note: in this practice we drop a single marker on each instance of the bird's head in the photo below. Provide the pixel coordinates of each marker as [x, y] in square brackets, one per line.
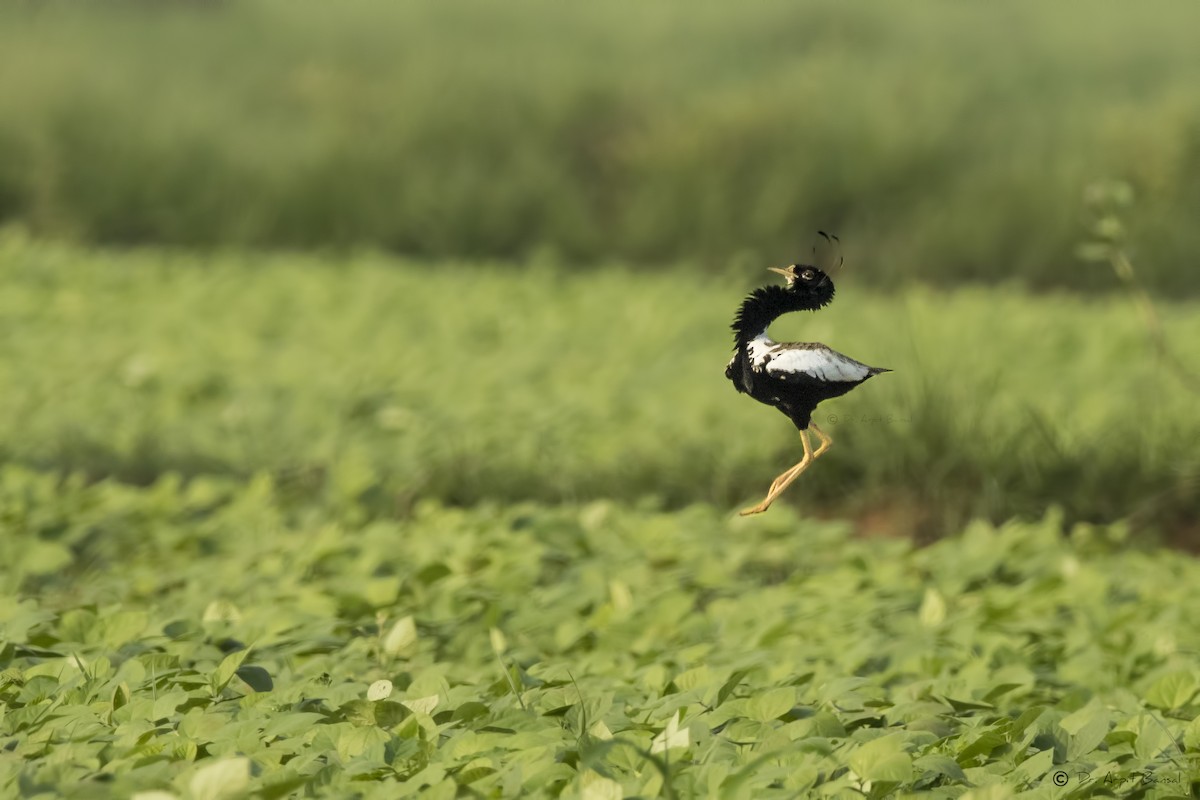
[809, 282]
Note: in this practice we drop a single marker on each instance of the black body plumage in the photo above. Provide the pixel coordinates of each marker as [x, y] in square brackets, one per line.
[794, 377]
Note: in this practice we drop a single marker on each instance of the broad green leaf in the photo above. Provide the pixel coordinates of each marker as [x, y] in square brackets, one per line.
[39, 688]
[1088, 726]
[824, 724]
[202, 726]
[600, 730]
[593, 786]
[221, 611]
[17, 617]
[353, 741]
[256, 677]
[940, 765]
[884, 759]
[999, 691]
[283, 786]
[359, 712]
[694, 678]
[446, 790]
[730, 685]
[286, 725]
[1152, 738]
[123, 626]
[470, 710]
[220, 780]
[671, 737]
[980, 746]
[166, 703]
[422, 705]
[121, 696]
[933, 609]
[996, 791]
[389, 714]
[498, 641]
[401, 637]
[1191, 735]
[1173, 690]
[771, 704]
[228, 668]
[1033, 768]
[379, 690]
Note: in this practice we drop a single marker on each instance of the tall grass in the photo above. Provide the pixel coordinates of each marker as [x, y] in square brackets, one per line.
[946, 142]
[392, 381]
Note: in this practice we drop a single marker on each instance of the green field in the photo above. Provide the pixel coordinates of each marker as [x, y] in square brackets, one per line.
[946, 142]
[242, 490]
[386, 382]
[364, 431]
[208, 641]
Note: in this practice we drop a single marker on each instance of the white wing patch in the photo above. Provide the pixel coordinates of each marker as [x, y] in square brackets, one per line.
[759, 348]
[817, 362]
[814, 360]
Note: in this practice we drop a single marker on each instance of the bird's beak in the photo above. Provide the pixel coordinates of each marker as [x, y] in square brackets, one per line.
[787, 273]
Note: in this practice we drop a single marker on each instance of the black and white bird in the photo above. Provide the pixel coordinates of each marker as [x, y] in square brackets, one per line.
[791, 376]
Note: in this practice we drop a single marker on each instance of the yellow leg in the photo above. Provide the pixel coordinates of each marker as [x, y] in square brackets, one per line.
[775, 483]
[826, 439]
[784, 480]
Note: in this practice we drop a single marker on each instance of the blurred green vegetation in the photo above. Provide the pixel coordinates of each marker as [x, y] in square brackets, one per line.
[391, 381]
[946, 142]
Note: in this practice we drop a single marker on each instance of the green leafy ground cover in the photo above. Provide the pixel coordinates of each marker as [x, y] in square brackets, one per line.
[392, 381]
[946, 141]
[211, 639]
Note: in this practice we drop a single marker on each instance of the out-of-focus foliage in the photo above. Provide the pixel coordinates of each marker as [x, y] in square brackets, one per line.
[396, 381]
[947, 142]
[234, 558]
[205, 641]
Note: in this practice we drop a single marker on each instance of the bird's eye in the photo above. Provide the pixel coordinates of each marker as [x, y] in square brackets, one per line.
[807, 275]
